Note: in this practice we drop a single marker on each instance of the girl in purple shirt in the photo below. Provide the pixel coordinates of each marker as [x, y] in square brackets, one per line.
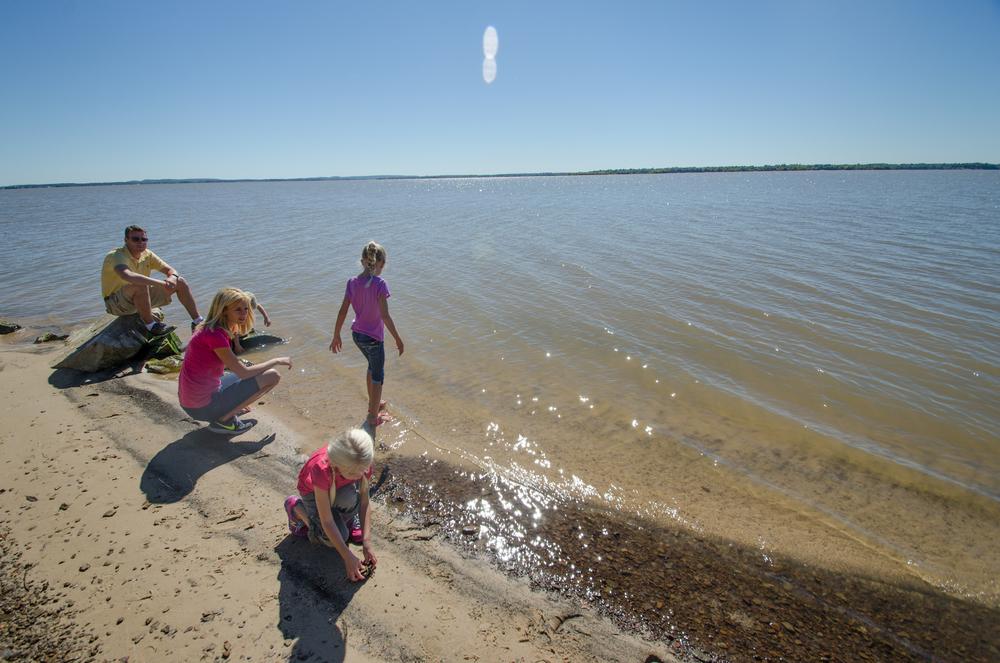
[368, 294]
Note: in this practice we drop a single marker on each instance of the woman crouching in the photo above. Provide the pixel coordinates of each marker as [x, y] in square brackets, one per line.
[207, 395]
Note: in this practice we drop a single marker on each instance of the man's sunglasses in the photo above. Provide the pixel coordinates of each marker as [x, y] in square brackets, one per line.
[139, 239]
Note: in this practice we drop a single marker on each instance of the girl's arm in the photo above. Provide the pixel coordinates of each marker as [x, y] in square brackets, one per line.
[366, 544]
[230, 361]
[263, 313]
[352, 565]
[237, 348]
[336, 344]
[389, 324]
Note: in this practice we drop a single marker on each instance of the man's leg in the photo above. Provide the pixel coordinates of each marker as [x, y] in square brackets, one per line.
[186, 298]
[139, 296]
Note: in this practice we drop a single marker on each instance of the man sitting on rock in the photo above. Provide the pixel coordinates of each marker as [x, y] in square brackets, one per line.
[128, 288]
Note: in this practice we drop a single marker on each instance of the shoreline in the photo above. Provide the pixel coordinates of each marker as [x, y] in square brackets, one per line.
[160, 541]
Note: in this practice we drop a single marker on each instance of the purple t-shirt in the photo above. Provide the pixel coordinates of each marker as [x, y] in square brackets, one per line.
[364, 293]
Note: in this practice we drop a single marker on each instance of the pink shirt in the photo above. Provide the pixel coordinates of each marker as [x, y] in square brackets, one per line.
[317, 473]
[364, 293]
[201, 371]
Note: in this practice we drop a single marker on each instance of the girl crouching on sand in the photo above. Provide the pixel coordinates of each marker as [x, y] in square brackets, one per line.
[332, 504]
[202, 391]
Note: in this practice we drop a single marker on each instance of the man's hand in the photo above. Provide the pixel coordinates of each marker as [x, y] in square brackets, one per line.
[170, 283]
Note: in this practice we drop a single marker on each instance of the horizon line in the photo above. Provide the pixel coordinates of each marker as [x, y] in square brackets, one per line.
[975, 165]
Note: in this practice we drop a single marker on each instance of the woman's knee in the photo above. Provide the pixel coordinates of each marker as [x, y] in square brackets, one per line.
[269, 378]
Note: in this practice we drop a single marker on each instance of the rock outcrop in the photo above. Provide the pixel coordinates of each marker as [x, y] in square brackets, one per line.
[105, 345]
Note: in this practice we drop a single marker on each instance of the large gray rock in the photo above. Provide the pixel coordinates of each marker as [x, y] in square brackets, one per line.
[102, 345]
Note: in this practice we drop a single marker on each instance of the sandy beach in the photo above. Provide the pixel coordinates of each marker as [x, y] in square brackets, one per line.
[128, 533]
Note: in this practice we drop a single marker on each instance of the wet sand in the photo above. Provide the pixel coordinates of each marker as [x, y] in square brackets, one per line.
[154, 540]
[698, 593]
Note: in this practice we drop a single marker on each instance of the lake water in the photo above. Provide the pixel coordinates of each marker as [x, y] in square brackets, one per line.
[806, 364]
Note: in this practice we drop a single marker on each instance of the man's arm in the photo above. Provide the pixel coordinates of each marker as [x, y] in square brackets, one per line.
[135, 278]
[170, 283]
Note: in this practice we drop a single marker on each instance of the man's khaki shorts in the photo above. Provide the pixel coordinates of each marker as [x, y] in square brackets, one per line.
[118, 303]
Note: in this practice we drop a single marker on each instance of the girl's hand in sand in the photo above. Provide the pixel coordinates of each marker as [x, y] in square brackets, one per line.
[369, 555]
[336, 344]
[352, 565]
[283, 361]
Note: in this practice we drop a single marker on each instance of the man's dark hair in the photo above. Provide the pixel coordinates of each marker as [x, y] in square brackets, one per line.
[131, 228]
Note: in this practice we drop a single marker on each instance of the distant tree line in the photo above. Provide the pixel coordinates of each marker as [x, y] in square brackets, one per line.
[795, 166]
[614, 171]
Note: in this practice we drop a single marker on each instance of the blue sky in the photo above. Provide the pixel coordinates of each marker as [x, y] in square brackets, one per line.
[105, 90]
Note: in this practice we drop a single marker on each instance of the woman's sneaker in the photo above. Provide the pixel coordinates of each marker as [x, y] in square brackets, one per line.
[232, 427]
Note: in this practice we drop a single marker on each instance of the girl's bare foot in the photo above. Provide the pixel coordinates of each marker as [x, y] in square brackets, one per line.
[379, 419]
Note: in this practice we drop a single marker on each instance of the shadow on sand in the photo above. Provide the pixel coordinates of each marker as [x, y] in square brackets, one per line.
[314, 592]
[174, 471]
[67, 378]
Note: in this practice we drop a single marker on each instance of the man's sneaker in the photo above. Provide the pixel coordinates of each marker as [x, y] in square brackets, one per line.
[159, 329]
[232, 427]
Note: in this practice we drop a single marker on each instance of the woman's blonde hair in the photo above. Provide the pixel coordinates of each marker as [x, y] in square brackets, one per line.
[371, 254]
[217, 311]
[352, 452]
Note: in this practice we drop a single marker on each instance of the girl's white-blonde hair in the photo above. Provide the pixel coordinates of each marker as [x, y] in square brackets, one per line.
[217, 311]
[352, 452]
[371, 254]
